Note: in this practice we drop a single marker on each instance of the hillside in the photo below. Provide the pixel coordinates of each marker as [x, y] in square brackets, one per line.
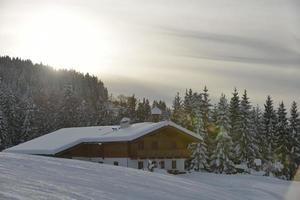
[34, 177]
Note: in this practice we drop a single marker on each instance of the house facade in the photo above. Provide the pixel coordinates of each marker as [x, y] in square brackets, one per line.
[162, 144]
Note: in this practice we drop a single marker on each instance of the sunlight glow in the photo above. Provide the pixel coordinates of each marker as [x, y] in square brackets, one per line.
[68, 39]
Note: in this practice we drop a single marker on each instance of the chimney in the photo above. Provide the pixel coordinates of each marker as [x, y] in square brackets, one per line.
[125, 122]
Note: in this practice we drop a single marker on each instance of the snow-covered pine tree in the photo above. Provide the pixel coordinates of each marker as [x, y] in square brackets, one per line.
[282, 141]
[188, 101]
[29, 127]
[294, 131]
[199, 151]
[245, 141]
[69, 108]
[221, 161]
[223, 113]
[179, 115]
[268, 130]
[198, 156]
[177, 110]
[11, 109]
[205, 108]
[235, 122]
[222, 120]
[257, 140]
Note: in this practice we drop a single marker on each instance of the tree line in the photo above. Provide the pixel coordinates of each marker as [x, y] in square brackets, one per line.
[238, 136]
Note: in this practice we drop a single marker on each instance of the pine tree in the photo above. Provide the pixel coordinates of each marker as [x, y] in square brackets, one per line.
[223, 114]
[188, 101]
[29, 127]
[143, 111]
[257, 140]
[282, 141]
[131, 107]
[294, 131]
[199, 156]
[235, 122]
[178, 110]
[269, 125]
[221, 123]
[222, 156]
[245, 141]
[69, 109]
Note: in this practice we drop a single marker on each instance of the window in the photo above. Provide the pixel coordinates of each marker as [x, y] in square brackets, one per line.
[154, 145]
[140, 165]
[116, 163]
[173, 164]
[141, 145]
[162, 164]
[154, 163]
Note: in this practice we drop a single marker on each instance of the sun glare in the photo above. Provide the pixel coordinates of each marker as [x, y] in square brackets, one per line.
[69, 39]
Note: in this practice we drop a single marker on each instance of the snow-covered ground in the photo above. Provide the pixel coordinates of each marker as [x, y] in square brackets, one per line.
[36, 177]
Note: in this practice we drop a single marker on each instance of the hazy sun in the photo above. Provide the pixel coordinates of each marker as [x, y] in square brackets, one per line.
[70, 39]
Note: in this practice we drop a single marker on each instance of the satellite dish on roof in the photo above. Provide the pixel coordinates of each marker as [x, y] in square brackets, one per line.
[156, 111]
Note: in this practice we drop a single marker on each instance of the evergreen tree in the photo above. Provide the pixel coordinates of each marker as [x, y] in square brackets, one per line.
[294, 147]
[235, 122]
[205, 108]
[222, 156]
[257, 140]
[245, 141]
[282, 141]
[131, 107]
[199, 156]
[268, 130]
[69, 109]
[143, 111]
[188, 101]
[29, 127]
[178, 111]
[223, 114]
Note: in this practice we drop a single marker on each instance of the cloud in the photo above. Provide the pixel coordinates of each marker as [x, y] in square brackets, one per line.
[234, 48]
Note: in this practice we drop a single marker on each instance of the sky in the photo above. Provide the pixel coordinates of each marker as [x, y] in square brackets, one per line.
[157, 48]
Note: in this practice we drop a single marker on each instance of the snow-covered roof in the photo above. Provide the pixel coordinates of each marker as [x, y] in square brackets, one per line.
[156, 111]
[65, 138]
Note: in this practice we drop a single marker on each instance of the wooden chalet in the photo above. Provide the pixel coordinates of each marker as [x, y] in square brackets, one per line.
[163, 144]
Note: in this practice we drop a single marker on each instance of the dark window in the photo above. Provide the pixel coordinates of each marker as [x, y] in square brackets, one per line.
[116, 163]
[154, 163]
[173, 164]
[140, 165]
[141, 145]
[162, 164]
[154, 145]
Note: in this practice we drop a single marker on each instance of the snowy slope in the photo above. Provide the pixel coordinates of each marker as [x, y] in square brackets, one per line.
[35, 177]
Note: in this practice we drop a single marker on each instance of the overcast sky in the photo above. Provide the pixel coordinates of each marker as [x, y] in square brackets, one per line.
[156, 48]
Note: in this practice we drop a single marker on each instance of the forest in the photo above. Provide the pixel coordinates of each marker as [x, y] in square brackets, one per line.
[36, 99]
